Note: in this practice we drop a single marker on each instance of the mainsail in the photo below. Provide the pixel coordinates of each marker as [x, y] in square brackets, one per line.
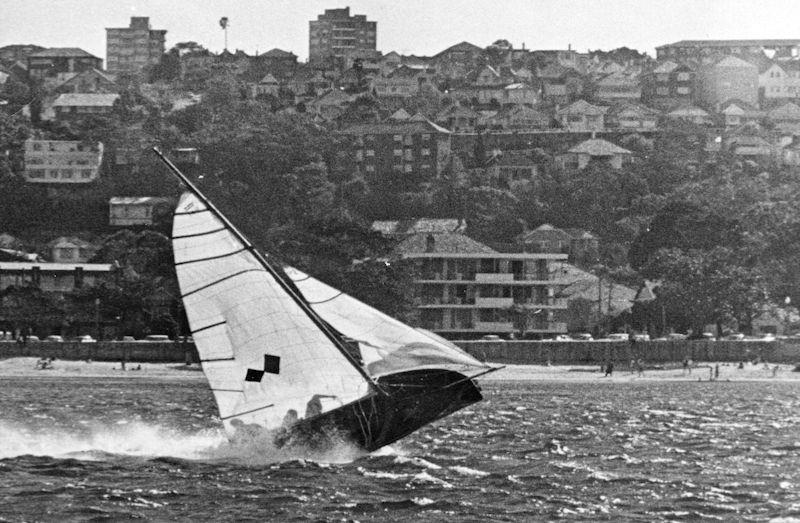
[267, 360]
[386, 344]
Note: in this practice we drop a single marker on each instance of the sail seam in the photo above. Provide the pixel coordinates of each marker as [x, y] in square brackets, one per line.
[181, 236]
[247, 412]
[211, 257]
[227, 390]
[326, 301]
[190, 212]
[206, 286]
[209, 326]
[217, 359]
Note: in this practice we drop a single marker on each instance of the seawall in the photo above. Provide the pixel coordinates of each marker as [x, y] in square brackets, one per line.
[598, 352]
[513, 352]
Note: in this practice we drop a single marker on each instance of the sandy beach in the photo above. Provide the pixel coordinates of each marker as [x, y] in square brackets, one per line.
[26, 367]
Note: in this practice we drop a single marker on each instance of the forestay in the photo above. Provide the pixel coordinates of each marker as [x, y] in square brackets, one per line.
[266, 359]
[386, 344]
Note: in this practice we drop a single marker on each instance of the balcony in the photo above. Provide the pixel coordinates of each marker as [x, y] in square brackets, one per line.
[547, 327]
[494, 277]
[496, 326]
[494, 303]
[555, 303]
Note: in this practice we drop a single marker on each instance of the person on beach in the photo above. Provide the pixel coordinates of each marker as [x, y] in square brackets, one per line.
[609, 369]
[716, 371]
[639, 368]
[685, 365]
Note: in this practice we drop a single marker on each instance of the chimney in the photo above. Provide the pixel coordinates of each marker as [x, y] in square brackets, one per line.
[430, 243]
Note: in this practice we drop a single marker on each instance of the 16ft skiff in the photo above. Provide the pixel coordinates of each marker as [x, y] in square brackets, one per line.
[294, 357]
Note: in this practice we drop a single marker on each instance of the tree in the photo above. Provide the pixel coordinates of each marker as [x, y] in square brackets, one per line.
[702, 287]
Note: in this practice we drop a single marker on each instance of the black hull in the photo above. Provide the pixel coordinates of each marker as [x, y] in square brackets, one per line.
[412, 400]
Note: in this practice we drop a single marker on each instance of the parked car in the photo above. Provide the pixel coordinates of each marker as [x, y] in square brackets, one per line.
[583, 336]
[491, 337]
[156, 337]
[54, 337]
[676, 336]
[563, 337]
[618, 336]
[641, 337]
[735, 336]
[85, 338]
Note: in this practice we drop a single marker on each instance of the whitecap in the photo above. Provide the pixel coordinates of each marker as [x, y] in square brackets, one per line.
[466, 471]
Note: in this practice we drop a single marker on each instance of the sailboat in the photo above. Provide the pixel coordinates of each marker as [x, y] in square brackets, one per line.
[289, 356]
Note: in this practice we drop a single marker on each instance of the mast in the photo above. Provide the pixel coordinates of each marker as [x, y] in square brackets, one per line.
[306, 308]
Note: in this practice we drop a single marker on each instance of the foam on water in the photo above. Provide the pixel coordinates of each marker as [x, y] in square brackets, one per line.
[139, 439]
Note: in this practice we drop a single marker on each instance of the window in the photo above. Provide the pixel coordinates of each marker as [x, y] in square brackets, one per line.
[66, 253]
[408, 168]
[370, 168]
[86, 173]
[398, 138]
[66, 173]
[398, 152]
[683, 77]
[683, 90]
[370, 152]
[426, 152]
[37, 146]
[409, 154]
[426, 136]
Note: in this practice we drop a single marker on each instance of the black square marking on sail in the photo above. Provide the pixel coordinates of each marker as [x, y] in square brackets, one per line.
[272, 364]
[254, 375]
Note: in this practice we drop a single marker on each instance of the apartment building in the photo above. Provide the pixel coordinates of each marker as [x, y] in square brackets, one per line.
[338, 35]
[668, 85]
[62, 162]
[130, 49]
[464, 289]
[727, 79]
[400, 153]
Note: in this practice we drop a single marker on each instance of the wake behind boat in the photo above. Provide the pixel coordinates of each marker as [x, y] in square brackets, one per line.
[291, 356]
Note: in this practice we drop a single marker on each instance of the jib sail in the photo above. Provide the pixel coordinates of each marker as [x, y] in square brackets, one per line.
[386, 344]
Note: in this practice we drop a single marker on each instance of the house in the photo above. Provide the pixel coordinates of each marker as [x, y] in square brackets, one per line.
[729, 78]
[592, 302]
[59, 64]
[464, 289]
[62, 161]
[457, 60]
[691, 114]
[623, 86]
[512, 169]
[786, 118]
[778, 81]
[737, 112]
[306, 81]
[267, 86]
[458, 118]
[126, 211]
[580, 245]
[519, 93]
[89, 81]
[278, 60]
[790, 153]
[404, 81]
[706, 50]
[581, 116]
[520, 117]
[69, 249]
[632, 117]
[402, 228]
[748, 144]
[595, 151]
[567, 58]
[8, 241]
[560, 84]
[76, 105]
[668, 85]
[330, 105]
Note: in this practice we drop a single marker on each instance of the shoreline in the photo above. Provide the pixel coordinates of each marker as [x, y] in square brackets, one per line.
[25, 367]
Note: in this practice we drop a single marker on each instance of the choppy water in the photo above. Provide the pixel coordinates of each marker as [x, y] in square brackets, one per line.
[80, 449]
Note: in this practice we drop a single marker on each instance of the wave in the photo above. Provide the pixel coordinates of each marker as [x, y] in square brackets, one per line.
[151, 441]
